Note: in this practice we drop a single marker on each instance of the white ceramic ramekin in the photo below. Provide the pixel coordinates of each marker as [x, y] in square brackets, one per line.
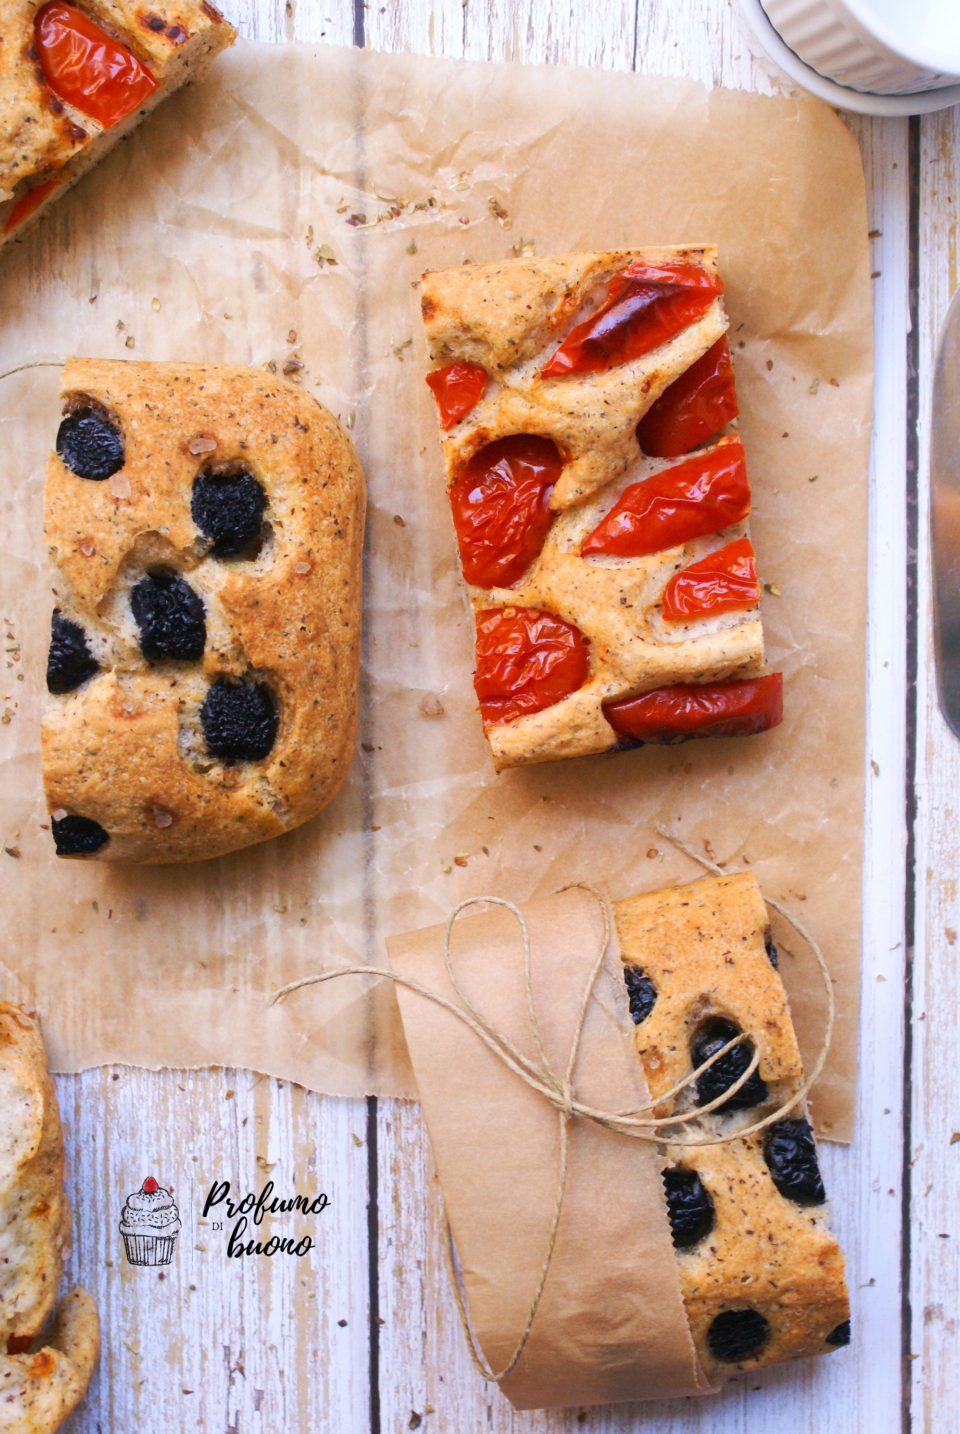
[860, 54]
[854, 42]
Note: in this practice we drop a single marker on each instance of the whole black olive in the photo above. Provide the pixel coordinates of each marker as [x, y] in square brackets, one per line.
[239, 720]
[90, 443]
[710, 1038]
[228, 506]
[170, 617]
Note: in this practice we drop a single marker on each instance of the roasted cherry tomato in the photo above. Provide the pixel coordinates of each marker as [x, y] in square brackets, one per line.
[720, 582]
[28, 203]
[695, 406]
[87, 68]
[526, 660]
[458, 389]
[690, 500]
[715, 709]
[501, 507]
[645, 306]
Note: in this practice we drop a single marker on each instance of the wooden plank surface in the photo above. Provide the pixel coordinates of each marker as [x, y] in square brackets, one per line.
[934, 1247]
[340, 1343]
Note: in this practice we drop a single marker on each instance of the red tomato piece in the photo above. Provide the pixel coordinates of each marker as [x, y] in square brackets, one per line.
[526, 660]
[690, 500]
[720, 582]
[87, 68]
[689, 709]
[501, 507]
[458, 389]
[694, 408]
[645, 306]
[28, 203]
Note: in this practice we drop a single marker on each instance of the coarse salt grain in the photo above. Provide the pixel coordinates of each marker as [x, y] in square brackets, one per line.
[59, 814]
[162, 818]
[120, 485]
[87, 547]
[303, 567]
[203, 443]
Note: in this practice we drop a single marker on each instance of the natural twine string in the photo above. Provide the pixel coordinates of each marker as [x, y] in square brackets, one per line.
[37, 363]
[558, 1089]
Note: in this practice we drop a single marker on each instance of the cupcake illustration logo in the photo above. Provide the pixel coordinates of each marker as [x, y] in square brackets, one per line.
[150, 1224]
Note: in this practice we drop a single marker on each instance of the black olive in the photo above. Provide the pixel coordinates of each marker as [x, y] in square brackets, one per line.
[737, 1334]
[840, 1336]
[791, 1155]
[689, 1206]
[773, 954]
[227, 506]
[239, 720]
[78, 836]
[90, 443]
[641, 992]
[69, 661]
[712, 1035]
[170, 617]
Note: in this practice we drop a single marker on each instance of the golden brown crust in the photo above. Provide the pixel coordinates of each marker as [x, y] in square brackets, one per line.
[125, 748]
[506, 316]
[39, 1390]
[487, 312]
[703, 947]
[765, 1253]
[38, 1387]
[34, 1216]
[42, 137]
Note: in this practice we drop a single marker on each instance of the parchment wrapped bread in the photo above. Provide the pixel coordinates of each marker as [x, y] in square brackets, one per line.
[206, 525]
[39, 1386]
[75, 79]
[614, 588]
[761, 1274]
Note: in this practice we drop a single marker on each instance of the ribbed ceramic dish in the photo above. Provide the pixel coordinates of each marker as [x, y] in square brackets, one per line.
[850, 44]
[846, 49]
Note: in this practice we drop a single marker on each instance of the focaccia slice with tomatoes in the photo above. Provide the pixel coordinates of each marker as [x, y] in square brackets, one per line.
[75, 78]
[601, 509]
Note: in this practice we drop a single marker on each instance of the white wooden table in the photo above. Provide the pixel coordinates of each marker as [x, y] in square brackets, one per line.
[361, 1334]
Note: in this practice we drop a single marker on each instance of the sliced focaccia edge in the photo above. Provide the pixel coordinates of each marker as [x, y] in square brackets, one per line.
[49, 142]
[761, 1274]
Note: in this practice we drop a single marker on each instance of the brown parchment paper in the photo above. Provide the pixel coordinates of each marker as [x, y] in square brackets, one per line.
[209, 235]
[610, 1325]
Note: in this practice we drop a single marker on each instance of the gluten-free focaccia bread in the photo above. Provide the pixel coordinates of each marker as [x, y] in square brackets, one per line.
[42, 1375]
[205, 525]
[761, 1275]
[75, 78]
[614, 588]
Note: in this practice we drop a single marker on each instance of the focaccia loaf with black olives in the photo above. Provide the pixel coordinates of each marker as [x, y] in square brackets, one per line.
[74, 79]
[614, 589]
[761, 1275]
[206, 526]
[43, 1373]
